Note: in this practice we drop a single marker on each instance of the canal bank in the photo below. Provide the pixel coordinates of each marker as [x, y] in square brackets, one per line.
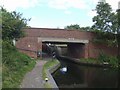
[35, 79]
[78, 61]
[50, 67]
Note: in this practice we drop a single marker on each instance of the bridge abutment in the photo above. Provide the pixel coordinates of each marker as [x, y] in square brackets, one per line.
[77, 50]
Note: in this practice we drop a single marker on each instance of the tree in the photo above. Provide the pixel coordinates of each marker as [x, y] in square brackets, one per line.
[106, 24]
[106, 20]
[77, 27]
[73, 27]
[86, 28]
[12, 25]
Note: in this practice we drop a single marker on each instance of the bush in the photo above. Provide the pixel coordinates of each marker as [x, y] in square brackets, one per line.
[103, 58]
[112, 60]
[89, 60]
[15, 65]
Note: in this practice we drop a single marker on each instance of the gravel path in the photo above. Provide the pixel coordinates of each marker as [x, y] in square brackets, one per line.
[33, 79]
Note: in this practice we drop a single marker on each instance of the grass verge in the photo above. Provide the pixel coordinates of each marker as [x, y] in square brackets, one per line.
[90, 60]
[112, 61]
[47, 66]
[14, 66]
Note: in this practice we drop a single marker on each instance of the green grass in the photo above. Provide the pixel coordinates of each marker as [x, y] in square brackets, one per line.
[47, 66]
[90, 60]
[113, 61]
[14, 79]
[15, 66]
[47, 85]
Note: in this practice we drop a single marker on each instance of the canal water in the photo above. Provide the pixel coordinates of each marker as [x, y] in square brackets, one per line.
[71, 75]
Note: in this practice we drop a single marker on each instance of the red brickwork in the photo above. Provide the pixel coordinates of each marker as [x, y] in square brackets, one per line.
[30, 44]
[58, 33]
[95, 49]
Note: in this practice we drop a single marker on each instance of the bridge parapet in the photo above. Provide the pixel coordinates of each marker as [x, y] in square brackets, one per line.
[58, 33]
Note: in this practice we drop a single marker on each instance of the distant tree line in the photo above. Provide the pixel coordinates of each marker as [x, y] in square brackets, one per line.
[77, 27]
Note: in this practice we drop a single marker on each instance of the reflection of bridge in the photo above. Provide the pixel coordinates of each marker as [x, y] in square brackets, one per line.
[79, 43]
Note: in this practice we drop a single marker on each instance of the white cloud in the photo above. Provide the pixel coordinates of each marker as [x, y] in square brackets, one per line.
[39, 23]
[12, 5]
[113, 3]
[47, 23]
[67, 12]
[58, 4]
[65, 4]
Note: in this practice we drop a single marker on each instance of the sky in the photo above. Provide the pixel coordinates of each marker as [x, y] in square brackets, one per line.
[56, 13]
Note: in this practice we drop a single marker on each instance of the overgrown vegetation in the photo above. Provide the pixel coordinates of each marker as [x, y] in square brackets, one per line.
[46, 67]
[112, 60]
[90, 60]
[106, 26]
[102, 58]
[15, 66]
[12, 24]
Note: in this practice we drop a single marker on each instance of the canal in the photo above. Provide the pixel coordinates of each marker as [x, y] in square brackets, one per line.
[71, 75]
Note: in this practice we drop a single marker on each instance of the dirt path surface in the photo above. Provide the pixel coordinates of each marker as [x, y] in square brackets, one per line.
[33, 79]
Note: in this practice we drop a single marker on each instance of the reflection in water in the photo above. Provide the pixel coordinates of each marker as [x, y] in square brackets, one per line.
[85, 76]
[63, 70]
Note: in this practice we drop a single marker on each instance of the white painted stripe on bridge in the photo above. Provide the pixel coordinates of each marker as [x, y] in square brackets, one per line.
[64, 40]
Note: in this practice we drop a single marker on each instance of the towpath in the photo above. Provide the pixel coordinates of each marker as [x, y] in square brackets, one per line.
[33, 79]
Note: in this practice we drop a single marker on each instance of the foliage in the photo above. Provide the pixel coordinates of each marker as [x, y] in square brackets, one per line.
[86, 28]
[73, 27]
[103, 57]
[118, 35]
[106, 24]
[15, 66]
[106, 20]
[77, 27]
[12, 24]
[112, 60]
[89, 60]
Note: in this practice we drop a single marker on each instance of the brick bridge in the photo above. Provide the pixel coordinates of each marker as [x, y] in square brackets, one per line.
[79, 43]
